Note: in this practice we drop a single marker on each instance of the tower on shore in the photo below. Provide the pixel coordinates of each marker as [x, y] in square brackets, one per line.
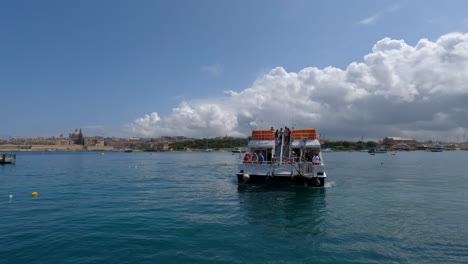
[77, 137]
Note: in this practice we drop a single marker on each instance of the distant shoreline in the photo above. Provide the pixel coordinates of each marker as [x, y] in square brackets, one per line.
[80, 148]
[43, 148]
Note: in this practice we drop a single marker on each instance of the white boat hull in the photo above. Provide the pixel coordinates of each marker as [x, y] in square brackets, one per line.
[261, 173]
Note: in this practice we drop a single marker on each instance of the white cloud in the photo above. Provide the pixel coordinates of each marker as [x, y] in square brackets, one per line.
[373, 19]
[214, 70]
[369, 20]
[398, 90]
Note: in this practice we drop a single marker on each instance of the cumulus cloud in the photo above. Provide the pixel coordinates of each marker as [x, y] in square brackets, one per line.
[417, 91]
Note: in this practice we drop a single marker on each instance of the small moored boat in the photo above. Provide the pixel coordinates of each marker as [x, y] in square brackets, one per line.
[238, 150]
[377, 150]
[7, 158]
[437, 148]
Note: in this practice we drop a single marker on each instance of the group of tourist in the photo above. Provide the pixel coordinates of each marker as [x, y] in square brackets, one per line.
[256, 158]
[315, 158]
[285, 136]
[280, 133]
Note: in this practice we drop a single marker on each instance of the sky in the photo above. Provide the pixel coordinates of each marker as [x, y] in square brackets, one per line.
[351, 69]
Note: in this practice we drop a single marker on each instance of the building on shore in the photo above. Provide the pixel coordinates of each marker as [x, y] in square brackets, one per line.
[77, 137]
[391, 141]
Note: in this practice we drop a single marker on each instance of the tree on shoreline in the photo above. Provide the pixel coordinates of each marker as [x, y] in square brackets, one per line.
[348, 145]
[226, 143]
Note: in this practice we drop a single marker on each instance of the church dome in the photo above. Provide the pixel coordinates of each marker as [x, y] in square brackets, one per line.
[76, 133]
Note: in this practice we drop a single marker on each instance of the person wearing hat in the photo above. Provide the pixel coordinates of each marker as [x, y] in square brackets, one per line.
[247, 158]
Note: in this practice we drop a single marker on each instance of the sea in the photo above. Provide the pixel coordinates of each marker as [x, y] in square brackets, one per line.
[140, 207]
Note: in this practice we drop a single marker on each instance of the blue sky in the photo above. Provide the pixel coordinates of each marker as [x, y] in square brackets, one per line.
[102, 65]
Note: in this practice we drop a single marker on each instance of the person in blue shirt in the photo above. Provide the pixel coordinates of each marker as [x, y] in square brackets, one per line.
[261, 159]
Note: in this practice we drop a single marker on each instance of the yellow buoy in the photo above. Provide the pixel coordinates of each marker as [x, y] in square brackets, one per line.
[34, 194]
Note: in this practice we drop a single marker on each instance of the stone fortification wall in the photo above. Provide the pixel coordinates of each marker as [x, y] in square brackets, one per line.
[100, 148]
[14, 147]
[40, 148]
[56, 148]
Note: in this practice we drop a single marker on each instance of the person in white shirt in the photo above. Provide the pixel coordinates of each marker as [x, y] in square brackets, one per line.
[316, 159]
[286, 135]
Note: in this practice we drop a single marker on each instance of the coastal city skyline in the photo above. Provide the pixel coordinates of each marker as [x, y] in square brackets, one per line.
[77, 137]
[211, 68]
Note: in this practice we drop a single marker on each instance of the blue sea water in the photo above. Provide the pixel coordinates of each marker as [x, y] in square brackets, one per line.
[411, 207]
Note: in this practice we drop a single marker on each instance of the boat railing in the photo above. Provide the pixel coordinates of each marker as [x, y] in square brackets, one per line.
[304, 167]
[258, 162]
[307, 167]
[275, 161]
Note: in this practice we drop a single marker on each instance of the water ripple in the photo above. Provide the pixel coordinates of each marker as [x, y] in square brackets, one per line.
[188, 208]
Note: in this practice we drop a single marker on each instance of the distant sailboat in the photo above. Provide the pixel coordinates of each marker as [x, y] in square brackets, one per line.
[206, 148]
[362, 143]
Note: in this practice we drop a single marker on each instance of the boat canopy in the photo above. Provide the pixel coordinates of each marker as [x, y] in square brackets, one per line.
[261, 144]
[263, 135]
[311, 144]
[309, 133]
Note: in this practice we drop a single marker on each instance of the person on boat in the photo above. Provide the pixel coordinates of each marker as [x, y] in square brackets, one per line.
[295, 156]
[247, 158]
[316, 159]
[286, 135]
[272, 129]
[276, 136]
[261, 158]
[289, 134]
[255, 158]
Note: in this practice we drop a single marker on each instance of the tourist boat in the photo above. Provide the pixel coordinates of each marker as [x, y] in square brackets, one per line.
[284, 161]
[437, 148]
[377, 150]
